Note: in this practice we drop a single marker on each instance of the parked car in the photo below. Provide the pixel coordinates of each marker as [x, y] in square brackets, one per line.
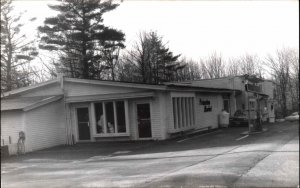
[293, 117]
[240, 118]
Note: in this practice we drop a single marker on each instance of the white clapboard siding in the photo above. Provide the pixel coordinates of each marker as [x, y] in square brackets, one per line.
[132, 120]
[81, 89]
[11, 125]
[206, 119]
[45, 126]
[165, 113]
[169, 112]
[156, 116]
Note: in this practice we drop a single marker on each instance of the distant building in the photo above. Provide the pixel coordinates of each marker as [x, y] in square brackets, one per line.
[69, 111]
[259, 93]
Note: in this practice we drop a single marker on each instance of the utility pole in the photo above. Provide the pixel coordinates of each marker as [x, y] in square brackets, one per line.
[248, 107]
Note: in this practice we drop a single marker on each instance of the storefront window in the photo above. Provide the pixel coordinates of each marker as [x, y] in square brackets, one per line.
[99, 118]
[110, 117]
[110, 121]
[121, 124]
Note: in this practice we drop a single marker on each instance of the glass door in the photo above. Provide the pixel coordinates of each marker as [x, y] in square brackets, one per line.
[83, 123]
[144, 120]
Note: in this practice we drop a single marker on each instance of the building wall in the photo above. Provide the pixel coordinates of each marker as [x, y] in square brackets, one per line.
[268, 88]
[45, 126]
[208, 119]
[225, 83]
[12, 122]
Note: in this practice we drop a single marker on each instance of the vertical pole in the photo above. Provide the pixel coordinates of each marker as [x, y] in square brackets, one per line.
[249, 123]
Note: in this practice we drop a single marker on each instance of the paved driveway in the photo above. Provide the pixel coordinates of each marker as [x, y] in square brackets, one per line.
[222, 158]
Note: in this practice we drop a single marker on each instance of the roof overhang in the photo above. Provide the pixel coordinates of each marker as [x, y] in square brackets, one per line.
[118, 96]
[28, 88]
[174, 87]
[117, 84]
[27, 104]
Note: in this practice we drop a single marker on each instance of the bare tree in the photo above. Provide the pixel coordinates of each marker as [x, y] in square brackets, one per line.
[294, 78]
[214, 66]
[16, 50]
[279, 66]
[251, 65]
[233, 67]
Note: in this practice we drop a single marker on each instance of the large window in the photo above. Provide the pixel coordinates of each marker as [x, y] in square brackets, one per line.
[99, 118]
[183, 112]
[121, 122]
[110, 117]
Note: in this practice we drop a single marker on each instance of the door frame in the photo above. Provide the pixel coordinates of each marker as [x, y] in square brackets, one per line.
[144, 101]
[88, 106]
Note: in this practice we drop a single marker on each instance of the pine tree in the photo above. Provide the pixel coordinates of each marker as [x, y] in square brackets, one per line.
[154, 62]
[79, 34]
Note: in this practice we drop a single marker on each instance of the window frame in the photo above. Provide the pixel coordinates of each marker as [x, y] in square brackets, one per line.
[106, 133]
[184, 108]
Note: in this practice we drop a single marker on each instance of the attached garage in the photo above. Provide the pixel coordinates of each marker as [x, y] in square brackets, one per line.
[40, 118]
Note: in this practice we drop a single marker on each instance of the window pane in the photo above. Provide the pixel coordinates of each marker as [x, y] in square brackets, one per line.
[179, 112]
[174, 112]
[121, 116]
[110, 125]
[187, 106]
[193, 111]
[226, 105]
[99, 118]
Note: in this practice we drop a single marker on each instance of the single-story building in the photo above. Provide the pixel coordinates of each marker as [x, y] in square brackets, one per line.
[68, 111]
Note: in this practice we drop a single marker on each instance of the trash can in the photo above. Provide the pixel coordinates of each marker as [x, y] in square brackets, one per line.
[224, 119]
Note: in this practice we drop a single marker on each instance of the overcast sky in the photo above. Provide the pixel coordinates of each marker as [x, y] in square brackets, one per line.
[197, 28]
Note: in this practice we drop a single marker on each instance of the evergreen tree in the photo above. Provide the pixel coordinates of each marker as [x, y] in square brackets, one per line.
[78, 33]
[154, 62]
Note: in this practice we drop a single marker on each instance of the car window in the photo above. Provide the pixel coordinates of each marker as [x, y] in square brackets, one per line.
[295, 113]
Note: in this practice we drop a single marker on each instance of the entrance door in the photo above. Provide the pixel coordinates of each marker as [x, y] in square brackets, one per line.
[83, 123]
[144, 120]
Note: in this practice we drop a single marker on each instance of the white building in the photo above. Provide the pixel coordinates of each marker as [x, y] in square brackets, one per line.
[68, 111]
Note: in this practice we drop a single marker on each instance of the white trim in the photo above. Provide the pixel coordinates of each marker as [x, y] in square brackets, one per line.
[111, 135]
[42, 102]
[92, 120]
[182, 94]
[119, 84]
[115, 116]
[127, 116]
[119, 96]
[104, 118]
[25, 89]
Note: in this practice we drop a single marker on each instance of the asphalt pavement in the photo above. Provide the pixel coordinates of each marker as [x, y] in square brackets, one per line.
[223, 158]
